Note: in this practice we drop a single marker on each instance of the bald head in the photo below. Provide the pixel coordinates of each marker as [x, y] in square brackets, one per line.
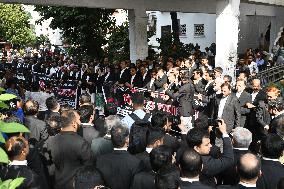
[249, 167]
[256, 85]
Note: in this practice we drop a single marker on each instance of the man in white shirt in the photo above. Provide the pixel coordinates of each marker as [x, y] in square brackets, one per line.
[138, 105]
[252, 65]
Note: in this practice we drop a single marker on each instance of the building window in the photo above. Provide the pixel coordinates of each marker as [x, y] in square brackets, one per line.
[199, 30]
[182, 30]
[152, 24]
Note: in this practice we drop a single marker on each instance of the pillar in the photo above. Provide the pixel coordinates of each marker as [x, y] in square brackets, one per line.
[227, 35]
[138, 34]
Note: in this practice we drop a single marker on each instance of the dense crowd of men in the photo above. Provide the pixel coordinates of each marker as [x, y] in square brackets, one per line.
[228, 134]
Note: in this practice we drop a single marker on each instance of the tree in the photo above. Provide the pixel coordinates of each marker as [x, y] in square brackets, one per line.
[175, 27]
[14, 25]
[118, 43]
[42, 40]
[85, 29]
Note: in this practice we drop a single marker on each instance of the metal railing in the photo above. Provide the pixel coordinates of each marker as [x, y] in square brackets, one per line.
[271, 75]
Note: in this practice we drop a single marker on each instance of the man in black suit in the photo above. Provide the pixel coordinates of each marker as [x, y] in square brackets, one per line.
[199, 82]
[244, 98]
[276, 110]
[87, 129]
[119, 167]
[263, 116]
[68, 150]
[191, 167]
[209, 94]
[154, 138]
[53, 107]
[199, 140]
[184, 96]
[136, 79]
[228, 108]
[242, 139]
[159, 157]
[146, 77]
[38, 129]
[123, 78]
[161, 80]
[272, 147]
[150, 86]
[258, 95]
[249, 169]
[17, 149]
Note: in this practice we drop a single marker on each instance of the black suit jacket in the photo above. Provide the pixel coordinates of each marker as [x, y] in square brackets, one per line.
[185, 97]
[199, 87]
[272, 172]
[31, 181]
[212, 166]
[147, 79]
[239, 186]
[275, 123]
[69, 152]
[231, 113]
[125, 77]
[243, 99]
[118, 169]
[230, 176]
[137, 81]
[261, 96]
[150, 88]
[144, 180]
[159, 83]
[193, 185]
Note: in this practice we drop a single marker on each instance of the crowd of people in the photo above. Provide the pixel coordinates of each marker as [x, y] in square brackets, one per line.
[228, 134]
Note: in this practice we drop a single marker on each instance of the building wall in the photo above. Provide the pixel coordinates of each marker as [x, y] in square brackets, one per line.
[254, 20]
[209, 21]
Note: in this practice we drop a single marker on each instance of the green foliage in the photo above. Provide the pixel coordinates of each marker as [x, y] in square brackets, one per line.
[11, 184]
[14, 25]
[84, 29]
[118, 43]
[8, 128]
[42, 39]
[170, 48]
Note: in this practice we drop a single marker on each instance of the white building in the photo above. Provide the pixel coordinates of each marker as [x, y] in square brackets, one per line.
[194, 27]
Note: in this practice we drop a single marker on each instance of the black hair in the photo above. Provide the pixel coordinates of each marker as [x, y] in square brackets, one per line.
[272, 146]
[191, 163]
[51, 103]
[160, 157]
[138, 98]
[67, 118]
[194, 137]
[198, 71]
[229, 78]
[248, 172]
[17, 146]
[211, 74]
[86, 112]
[218, 69]
[167, 178]
[53, 124]
[159, 119]
[31, 107]
[119, 135]
[154, 135]
[226, 84]
[35, 87]
[85, 98]
[87, 177]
